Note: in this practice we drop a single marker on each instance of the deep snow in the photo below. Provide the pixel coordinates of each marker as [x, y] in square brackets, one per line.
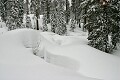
[17, 61]
[73, 52]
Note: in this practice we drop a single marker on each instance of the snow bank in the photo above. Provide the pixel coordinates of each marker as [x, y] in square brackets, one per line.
[74, 53]
[18, 62]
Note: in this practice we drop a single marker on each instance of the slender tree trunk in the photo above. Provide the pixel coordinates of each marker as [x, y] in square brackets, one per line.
[27, 7]
[85, 20]
[37, 22]
[48, 21]
[66, 13]
[79, 24]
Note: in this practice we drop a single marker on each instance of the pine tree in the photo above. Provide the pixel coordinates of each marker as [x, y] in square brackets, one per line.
[73, 8]
[27, 7]
[45, 6]
[13, 13]
[45, 28]
[116, 16]
[3, 9]
[104, 22]
[35, 4]
[20, 12]
[73, 13]
[72, 23]
[53, 11]
[58, 21]
[61, 23]
[67, 11]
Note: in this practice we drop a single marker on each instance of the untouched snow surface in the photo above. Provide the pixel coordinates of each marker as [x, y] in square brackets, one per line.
[73, 52]
[17, 61]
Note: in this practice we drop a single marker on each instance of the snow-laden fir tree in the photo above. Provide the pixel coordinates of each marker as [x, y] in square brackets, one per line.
[3, 9]
[44, 28]
[61, 22]
[53, 11]
[73, 15]
[67, 12]
[72, 23]
[20, 13]
[59, 15]
[45, 4]
[75, 8]
[103, 18]
[116, 16]
[35, 5]
[45, 8]
[13, 13]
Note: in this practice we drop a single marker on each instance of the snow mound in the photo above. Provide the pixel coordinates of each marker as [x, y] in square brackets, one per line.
[18, 62]
[73, 52]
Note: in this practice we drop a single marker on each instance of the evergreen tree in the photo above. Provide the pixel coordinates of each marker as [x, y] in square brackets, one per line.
[116, 16]
[45, 28]
[104, 22]
[67, 11]
[58, 21]
[3, 9]
[20, 12]
[35, 4]
[45, 6]
[53, 11]
[61, 22]
[73, 8]
[27, 6]
[78, 12]
[83, 7]
[73, 13]
[12, 13]
[72, 23]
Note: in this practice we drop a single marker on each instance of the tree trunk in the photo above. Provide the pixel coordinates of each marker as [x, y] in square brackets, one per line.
[27, 7]
[79, 24]
[85, 20]
[37, 23]
[66, 13]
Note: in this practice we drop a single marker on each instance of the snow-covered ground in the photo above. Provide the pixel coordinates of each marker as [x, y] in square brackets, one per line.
[75, 60]
[73, 52]
[18, 62]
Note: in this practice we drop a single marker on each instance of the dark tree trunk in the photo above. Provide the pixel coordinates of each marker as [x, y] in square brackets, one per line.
[79, 24]
[27, 8]
[37, 24]
[37, 16]
[48, 10]
[66, 13]
[85, 20]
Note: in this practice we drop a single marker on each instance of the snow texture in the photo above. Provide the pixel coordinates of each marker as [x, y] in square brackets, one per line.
[18, 62]
[73, 52]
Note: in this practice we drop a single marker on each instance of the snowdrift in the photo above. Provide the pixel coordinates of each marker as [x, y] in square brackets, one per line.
[17, 61]
[73, 52]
